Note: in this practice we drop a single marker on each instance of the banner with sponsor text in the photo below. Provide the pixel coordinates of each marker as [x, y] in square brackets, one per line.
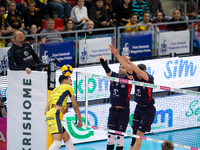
[94, 48]
[27, 97]
[174, 42]
[62, 51]
[136, 45]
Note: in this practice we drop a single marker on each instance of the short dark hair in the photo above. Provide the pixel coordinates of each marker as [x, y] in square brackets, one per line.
[142, 67]
[62, 78]
[146, 12]
[133, 14]
[167, 145]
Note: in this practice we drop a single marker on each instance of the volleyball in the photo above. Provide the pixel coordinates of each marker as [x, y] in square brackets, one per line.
[66, 70]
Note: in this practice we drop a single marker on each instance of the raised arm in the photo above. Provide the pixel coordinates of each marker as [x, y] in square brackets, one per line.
[128, 65]
[105, 66]
[121, 59]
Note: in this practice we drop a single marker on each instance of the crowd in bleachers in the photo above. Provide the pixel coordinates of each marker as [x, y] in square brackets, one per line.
[33, 16]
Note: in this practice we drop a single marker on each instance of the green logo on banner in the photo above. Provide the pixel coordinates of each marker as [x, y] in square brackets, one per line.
[70, 123]
[194, 110]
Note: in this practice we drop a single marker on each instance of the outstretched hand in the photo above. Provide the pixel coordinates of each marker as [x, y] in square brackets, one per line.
[113, 50]
[99, 58]
[126, 58]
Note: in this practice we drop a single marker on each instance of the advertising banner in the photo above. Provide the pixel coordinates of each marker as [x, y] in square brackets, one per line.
[27, 97]
[95, 48]
[3, 135]
[3, 59]
[174, 42]
[168, 117]
[136, 46]
[62, 51]
[172, 72]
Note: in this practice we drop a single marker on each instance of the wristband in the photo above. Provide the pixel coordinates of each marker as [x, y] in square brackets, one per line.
[105, 66]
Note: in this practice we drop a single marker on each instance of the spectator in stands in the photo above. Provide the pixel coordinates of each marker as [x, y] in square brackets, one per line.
[89, 26]
[21, 6]
[61, 6]
[42, 5]
[145, 24]
[124, 12]
[110, 13]
[116, 4]
[191, 11]
[5, 29]
[3, 112]
[69, 26]
[159, 19]
[33, 30]
[176, 18]
[31, 17]
[50, 29]
[79, 15]
[88, 3]
[15, 17]
[167, 145]
[139, 7]
[155, 6]
[98, 15]
[132, 22]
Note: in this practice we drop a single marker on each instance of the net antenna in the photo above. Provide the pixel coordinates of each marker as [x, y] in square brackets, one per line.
[86, 86]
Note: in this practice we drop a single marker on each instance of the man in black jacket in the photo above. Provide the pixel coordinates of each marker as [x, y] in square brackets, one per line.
[98, 14]
[21, 55]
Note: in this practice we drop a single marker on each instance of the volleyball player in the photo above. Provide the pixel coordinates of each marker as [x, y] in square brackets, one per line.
[145, 111]
[167, 145]
[56, 108]
[119, 110]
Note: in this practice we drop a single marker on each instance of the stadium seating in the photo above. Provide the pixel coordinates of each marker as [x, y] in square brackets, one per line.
[58, 24]
[43, 24]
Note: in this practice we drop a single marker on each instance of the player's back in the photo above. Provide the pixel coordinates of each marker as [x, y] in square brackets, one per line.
[60, 95]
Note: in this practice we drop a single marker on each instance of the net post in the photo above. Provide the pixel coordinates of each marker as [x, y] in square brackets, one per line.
[86, 99]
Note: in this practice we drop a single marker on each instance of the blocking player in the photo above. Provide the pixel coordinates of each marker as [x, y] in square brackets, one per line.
[145, 111]
[119, 110]
[56, 108]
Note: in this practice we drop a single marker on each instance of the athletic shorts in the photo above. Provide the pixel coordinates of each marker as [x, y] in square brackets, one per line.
[143, 118]
[118, 119]
[54, 118]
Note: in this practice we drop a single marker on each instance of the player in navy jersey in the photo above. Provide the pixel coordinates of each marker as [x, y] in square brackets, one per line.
[145, 111]
[119, 100]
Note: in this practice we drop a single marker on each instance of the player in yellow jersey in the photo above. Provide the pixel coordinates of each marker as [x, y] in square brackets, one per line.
[56, 107]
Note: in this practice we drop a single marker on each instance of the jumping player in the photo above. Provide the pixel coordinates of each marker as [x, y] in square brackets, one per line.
[56, 108]
[119, 110]
[145, 111]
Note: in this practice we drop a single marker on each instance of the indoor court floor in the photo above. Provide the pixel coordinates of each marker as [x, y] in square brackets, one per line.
[189, 137]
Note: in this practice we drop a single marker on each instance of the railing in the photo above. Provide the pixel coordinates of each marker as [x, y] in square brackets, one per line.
[116, 33]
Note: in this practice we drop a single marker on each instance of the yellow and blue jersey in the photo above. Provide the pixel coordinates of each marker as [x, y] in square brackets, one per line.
[60, 95]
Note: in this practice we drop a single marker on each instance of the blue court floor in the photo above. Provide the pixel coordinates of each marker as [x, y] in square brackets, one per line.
[190, 137]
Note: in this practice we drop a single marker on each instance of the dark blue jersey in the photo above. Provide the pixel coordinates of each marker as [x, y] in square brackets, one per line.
[119, 92]
[143, 95]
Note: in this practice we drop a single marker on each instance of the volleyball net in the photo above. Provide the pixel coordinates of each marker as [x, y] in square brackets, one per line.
[177, 110]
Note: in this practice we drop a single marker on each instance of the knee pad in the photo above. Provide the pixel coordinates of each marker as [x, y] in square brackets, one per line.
[69, 145]
[120, 140]
[111, 139]
[55, 145]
